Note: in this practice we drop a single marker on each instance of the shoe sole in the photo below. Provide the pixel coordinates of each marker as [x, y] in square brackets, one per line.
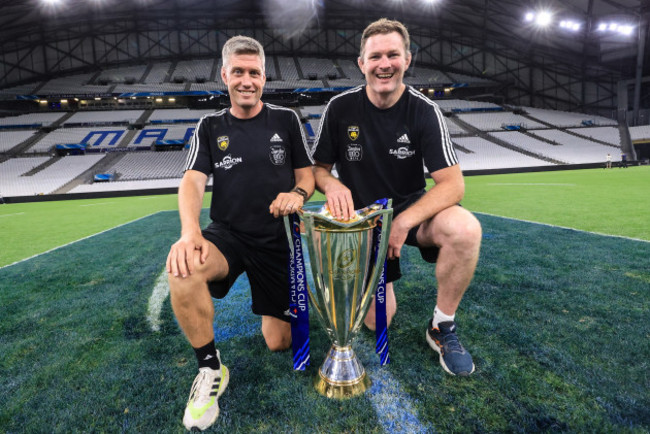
[434, 346]
[225, 379]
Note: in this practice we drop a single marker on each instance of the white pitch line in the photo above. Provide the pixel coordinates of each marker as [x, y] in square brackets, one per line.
[394, 408]
[561, 227]
[531, 183]
[10, 215]
[156, 300]
[95, 204]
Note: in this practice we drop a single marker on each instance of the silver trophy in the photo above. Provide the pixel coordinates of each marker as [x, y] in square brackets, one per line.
[344, 284]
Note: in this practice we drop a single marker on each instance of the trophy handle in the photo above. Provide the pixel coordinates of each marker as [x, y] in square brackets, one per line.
[378, 266]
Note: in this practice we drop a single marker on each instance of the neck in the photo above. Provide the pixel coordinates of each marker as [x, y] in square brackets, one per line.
[385, 100]
[246, 112]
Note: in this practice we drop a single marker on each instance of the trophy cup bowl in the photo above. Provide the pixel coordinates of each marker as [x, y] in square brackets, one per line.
[345, 273]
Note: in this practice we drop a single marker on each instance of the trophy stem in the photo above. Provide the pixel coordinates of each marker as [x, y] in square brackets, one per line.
[342, 375]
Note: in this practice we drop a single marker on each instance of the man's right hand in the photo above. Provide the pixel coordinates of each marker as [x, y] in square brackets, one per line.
[180, 260]
[339, 197]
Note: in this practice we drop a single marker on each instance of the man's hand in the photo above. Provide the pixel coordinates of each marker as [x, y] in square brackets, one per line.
[397, 238]
[180, 260]
[339, 202]
[286, 203]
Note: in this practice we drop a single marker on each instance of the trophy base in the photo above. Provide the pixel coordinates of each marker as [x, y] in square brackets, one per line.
[342, 375]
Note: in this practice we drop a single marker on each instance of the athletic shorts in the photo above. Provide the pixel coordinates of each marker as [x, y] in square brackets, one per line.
[429, 254]
[265, 265]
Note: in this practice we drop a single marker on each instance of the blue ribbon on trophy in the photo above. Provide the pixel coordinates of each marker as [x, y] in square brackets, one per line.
[298, 305]
[381, 327]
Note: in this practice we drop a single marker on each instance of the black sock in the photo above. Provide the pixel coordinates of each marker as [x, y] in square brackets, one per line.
[207, 356]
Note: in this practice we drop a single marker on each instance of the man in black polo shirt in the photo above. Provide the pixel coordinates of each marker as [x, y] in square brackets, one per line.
[379, 135]
[261, 168]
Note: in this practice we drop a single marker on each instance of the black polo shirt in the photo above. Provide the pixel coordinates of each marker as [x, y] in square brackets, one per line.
[381, 153]
[251, 161]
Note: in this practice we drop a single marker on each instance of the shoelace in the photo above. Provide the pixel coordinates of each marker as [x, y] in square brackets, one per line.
[452, 344]
[201, 388]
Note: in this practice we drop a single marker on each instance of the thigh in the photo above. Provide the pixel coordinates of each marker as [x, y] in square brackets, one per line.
[232, 251]
[268, 272]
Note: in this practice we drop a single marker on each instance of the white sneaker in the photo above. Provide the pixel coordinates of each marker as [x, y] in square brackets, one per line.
[202, 407]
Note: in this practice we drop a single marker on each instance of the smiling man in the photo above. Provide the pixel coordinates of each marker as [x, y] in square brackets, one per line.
[261, 168]
[379, 136]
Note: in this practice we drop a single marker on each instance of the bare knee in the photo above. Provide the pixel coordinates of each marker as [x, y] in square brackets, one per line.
[277, 333]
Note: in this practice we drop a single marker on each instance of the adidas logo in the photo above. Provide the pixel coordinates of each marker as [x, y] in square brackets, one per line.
[404, 139]
[276, 138]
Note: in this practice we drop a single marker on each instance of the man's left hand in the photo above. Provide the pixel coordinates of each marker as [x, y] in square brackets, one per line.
[285, 204]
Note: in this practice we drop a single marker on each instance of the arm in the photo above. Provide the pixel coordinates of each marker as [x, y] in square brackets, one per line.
[448, 190]
[289, 202]
[190, 201]
[339, 198]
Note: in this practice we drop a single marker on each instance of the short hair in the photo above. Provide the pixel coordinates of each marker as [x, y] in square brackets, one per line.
[384, 26]
[242, 45]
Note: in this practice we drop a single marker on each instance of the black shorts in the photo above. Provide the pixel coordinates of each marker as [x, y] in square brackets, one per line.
[265, 265]
[429, 254]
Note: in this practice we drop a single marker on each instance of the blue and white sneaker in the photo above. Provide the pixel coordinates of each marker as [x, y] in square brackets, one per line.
[453, 357]
[202, 407]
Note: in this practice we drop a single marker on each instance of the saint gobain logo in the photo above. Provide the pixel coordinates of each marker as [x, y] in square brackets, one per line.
[228, 162]
[354, 152]
[401, 153]
[277, 155]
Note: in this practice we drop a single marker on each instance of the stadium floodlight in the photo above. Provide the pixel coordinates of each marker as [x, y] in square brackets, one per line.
[613, 27]
[626, 30]
[543, 19]
[570, 25]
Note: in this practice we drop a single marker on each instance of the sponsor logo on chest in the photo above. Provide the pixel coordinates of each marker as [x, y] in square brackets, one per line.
[228, 162]
[277, 155]
[354, 152]
[403, 151]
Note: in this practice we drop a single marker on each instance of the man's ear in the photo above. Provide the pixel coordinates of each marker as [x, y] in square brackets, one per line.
[224, 76]
[360, 63]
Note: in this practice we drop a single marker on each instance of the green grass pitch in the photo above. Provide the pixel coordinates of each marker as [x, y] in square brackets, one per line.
[555, 318]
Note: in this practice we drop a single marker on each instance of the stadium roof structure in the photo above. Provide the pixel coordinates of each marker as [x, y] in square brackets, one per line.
[486, 38]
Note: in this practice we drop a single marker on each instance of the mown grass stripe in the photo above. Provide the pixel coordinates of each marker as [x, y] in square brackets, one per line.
[80, 239]
[561, 227]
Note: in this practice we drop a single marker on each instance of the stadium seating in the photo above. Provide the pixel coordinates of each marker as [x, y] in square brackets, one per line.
[488, 155]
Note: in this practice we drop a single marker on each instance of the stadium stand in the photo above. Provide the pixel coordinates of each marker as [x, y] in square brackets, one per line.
[30, 120]
[106, 117]
[17, 179]
[488, 155]
[168, 116]
[122, 74]
[575, 150]
[10, 139]
[562, 119]
[459, 105]
[641, 132]
[494, 121]
[137, 166]
[96, 137]
[603, 134]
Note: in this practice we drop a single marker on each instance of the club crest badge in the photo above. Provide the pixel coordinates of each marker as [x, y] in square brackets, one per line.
[223, 142]
[277, 155]
[353, 132]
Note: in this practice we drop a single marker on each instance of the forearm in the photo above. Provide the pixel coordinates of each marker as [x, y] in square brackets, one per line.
[190, 203]
[448, 191]
[325, 181]
[305, 183]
